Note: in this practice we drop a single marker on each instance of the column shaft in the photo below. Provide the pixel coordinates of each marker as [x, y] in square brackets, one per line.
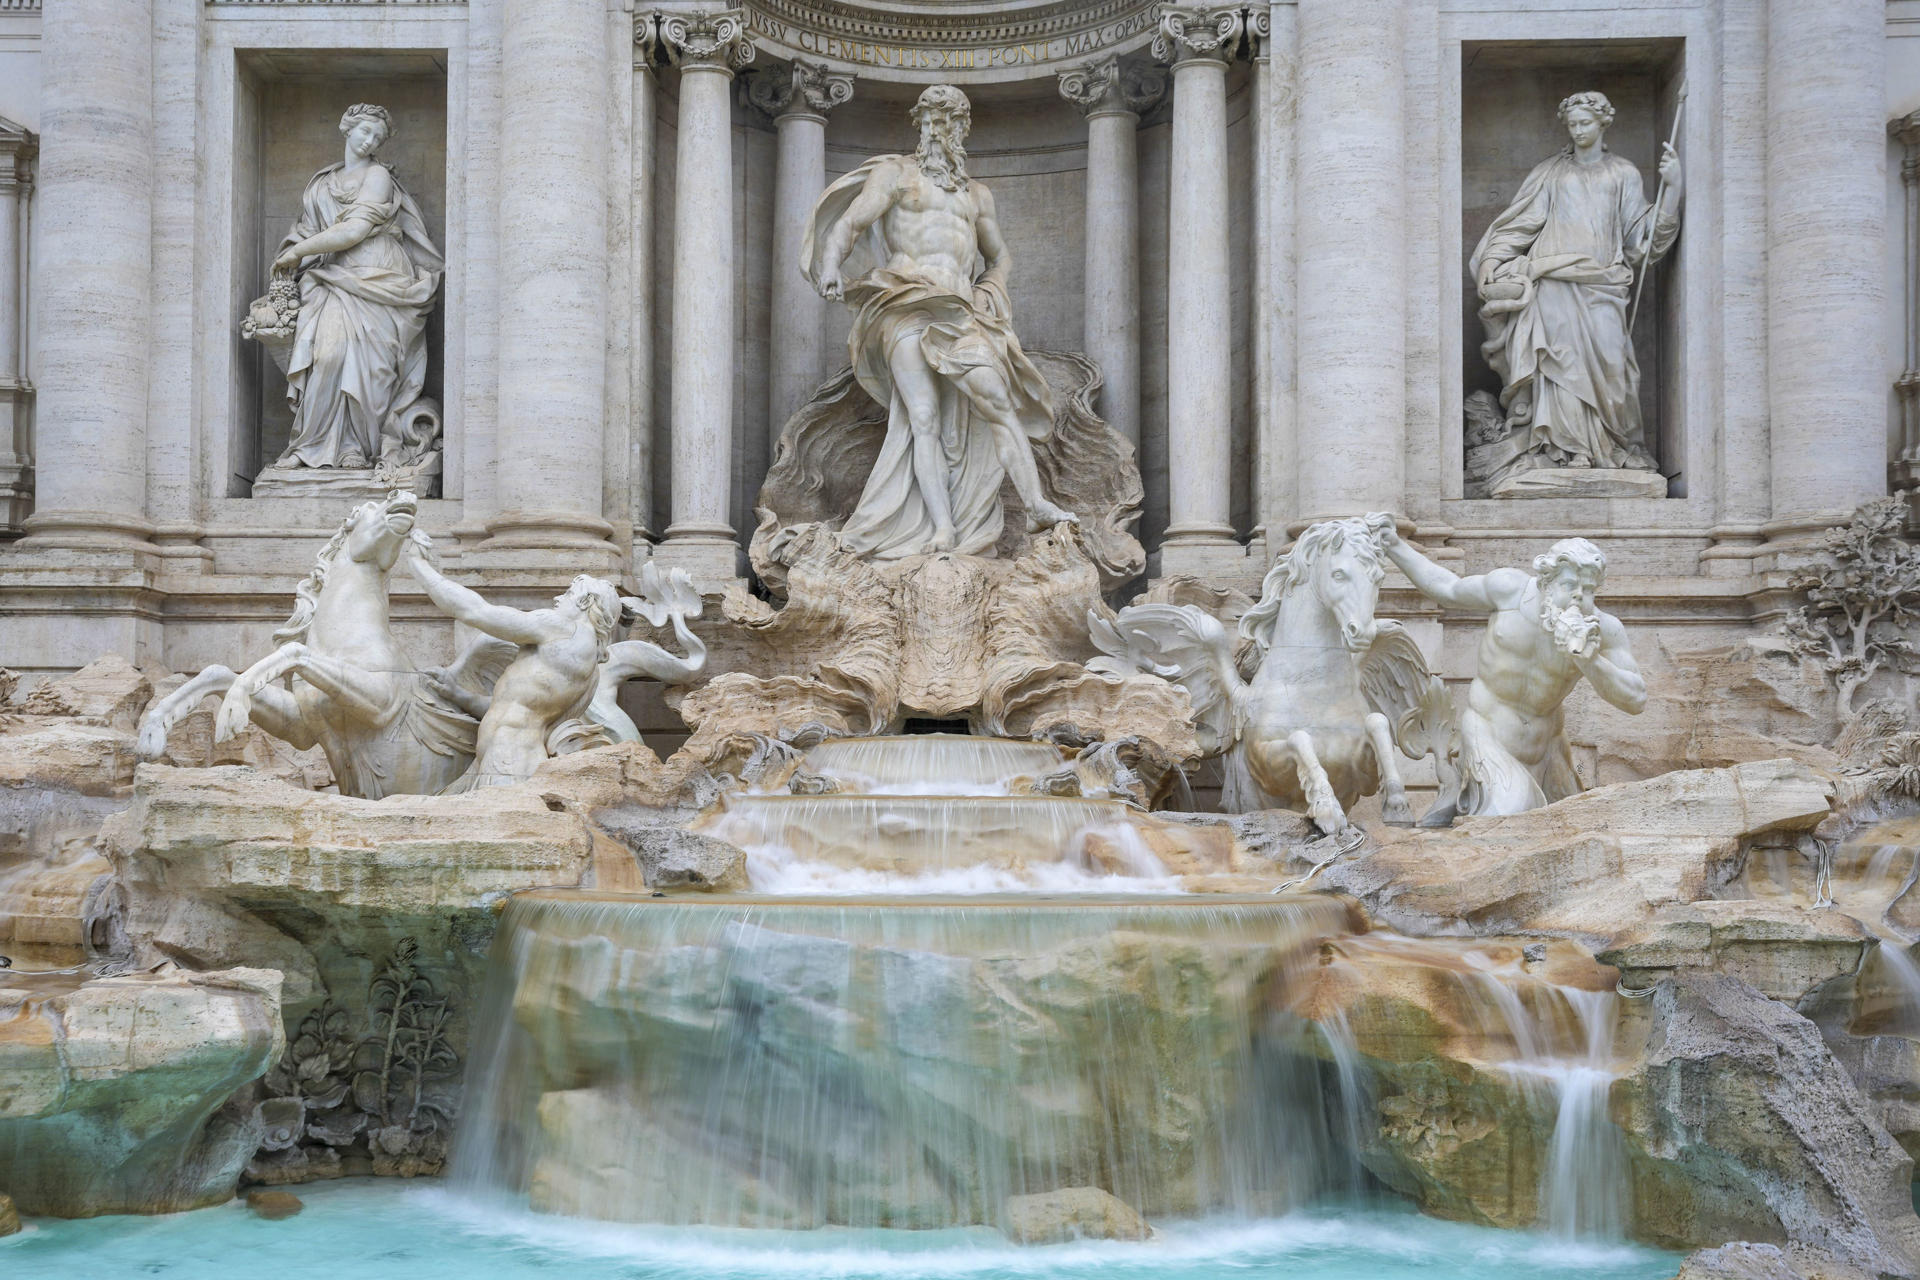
[1351, 251]
[1199, 355]
[11, 247]
[1826, 288]
[1113, 265]
[799, 314]
[640, 355]
[553, 274]
[92, 269]
[703, 285]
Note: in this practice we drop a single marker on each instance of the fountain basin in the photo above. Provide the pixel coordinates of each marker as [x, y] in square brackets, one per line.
[917, 763]
[913, 835]
[911, 1063]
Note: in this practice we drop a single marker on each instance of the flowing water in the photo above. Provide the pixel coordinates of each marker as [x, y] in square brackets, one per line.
[784, 1063]
[362, 1230]
[937, 814]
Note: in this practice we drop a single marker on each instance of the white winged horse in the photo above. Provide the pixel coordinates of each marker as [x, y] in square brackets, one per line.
[338, 678]
[1334, 692]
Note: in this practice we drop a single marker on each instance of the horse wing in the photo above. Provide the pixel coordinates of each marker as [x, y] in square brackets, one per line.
[1397, 682]
[1185, 645]
[479, 665]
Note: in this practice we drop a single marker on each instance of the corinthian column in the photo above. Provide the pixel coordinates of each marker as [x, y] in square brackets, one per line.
[798, 97]
[91, 270]
[1350, 236]
[17, 146]
[1199, 40]
[1112, 98]
[706, 46]
[1826, 289]
[553, 281]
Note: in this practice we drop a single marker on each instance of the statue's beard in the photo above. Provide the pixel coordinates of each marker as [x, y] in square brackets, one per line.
[942, 158]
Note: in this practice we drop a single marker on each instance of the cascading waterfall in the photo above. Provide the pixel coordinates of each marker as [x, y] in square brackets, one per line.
[782, 1063]
[1583, 1193]
[936, 813]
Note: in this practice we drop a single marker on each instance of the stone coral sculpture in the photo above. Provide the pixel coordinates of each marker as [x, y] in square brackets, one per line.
[1859, 603]
[1335, 688]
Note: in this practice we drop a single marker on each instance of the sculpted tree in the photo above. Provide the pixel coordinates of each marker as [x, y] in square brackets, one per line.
[1859, 603]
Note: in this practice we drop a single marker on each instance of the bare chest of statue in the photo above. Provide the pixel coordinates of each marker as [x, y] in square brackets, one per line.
[933, 229]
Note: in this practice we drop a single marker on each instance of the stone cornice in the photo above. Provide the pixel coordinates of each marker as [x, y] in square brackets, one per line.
[800, 87]
[959, 40]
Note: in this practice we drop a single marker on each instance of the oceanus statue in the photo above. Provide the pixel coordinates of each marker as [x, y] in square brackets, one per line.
[1334, 692]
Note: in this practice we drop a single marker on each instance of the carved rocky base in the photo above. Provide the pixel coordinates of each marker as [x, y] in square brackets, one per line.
[349, 483]
[1580, 482]
[999, 643]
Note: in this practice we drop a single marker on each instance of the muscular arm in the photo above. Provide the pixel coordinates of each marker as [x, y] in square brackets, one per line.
[469, 607]
[993, 246]
[1482, 593]
[1612, 671]
[875, 198]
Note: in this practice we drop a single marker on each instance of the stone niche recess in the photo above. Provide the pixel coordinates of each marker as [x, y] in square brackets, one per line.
[287, 107]
[1510, 92]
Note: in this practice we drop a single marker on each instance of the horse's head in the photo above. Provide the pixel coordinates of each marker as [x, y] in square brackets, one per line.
[1341, 564]
[376, 530]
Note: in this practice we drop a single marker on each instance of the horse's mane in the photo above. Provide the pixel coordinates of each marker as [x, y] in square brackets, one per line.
[1293, 568]
[306, 596]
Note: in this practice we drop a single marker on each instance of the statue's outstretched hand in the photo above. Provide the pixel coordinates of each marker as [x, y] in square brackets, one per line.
[833, 284]
[287, 263]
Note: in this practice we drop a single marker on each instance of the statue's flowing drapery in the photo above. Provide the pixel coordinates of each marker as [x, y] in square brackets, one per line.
[895, 303]
[1568, 246]
[360, 346]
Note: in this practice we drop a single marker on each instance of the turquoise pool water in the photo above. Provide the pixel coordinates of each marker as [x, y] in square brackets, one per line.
[363, 1230]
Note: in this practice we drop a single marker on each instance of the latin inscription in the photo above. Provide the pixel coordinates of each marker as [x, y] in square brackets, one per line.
[1078, 44]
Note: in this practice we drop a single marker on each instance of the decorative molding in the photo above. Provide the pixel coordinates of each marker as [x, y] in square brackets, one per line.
[955, 40]
[1906, 466]
[19, 6]
[345, 4]
[799, 88]
[1108, 85]
[1190, 32]
[1030, 23]
[706, 38]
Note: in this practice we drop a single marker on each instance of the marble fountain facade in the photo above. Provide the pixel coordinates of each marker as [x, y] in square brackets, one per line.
[1055, 618]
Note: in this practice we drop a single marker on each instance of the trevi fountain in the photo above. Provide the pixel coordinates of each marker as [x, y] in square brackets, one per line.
[960, 638]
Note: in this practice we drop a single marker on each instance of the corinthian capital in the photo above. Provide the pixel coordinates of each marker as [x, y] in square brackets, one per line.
[1189, 31]
[1108, 85]
[706, 38]
[799, 87]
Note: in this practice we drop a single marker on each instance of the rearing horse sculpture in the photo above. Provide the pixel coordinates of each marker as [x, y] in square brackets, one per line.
[385, 727]
[1335, 689]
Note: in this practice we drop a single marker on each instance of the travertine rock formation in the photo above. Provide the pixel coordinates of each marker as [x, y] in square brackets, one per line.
[1742, 1126]
[1590, 866]
[1073, 1213]
[117, 1090]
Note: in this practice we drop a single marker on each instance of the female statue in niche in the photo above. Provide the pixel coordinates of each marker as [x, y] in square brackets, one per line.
[1554, 273]
[358, 359]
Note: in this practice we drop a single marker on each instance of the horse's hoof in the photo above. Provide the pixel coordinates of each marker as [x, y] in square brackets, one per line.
[152, 742]
[1331, 820]
[1397, 813]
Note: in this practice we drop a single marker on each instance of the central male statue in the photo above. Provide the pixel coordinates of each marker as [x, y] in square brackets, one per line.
[932, 340]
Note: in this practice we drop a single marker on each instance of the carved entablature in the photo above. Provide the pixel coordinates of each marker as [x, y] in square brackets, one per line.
[961, 43]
